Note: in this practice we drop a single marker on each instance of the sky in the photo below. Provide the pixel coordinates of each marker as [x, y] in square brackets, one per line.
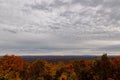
[59, 27]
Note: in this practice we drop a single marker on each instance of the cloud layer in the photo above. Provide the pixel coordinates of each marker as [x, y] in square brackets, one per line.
[59, 26]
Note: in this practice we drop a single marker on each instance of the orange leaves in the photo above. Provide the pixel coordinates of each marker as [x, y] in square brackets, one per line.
[12, 63]
[103, 68]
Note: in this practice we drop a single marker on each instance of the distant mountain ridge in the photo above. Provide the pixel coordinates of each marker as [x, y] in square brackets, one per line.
[49, 57]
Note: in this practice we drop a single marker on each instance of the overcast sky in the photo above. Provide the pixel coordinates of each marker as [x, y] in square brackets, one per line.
[59, 27]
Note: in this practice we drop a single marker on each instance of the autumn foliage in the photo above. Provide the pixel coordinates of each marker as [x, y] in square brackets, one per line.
[16, 68]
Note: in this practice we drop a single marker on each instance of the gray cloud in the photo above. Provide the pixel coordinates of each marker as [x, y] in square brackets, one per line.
[112, 48]
[80, 26]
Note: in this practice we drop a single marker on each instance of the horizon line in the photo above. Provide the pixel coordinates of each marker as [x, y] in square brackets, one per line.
[61, 54]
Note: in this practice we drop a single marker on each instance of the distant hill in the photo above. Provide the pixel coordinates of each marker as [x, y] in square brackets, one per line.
[71, 57]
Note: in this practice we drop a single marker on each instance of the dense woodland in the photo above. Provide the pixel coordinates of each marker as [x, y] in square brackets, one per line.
[16, 68]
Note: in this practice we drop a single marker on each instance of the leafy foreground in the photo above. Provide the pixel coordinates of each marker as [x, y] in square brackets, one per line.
[16, 68]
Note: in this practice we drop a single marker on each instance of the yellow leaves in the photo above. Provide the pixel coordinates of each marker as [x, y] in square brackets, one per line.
[63, 76]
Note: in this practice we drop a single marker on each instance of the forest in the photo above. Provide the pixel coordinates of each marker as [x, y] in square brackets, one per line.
[16, 68]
